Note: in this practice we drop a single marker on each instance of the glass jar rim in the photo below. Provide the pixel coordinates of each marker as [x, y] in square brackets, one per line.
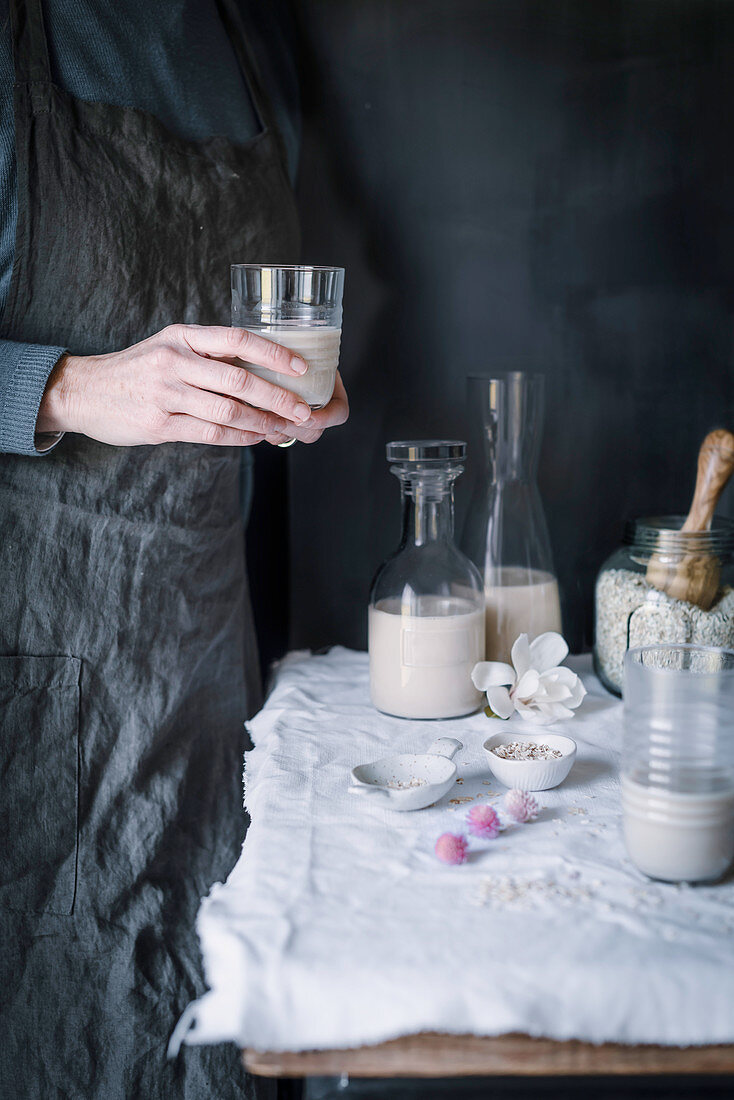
[504, 375]
[636, 655]
[663, 533]
[284, 267]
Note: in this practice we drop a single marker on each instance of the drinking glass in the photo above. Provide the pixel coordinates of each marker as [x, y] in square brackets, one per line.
[299, 307]
[678, 761]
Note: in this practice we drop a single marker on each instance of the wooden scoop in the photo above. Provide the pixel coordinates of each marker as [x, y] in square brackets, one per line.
[695, 577]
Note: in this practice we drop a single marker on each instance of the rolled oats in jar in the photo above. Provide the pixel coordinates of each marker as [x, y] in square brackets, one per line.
[630, 611]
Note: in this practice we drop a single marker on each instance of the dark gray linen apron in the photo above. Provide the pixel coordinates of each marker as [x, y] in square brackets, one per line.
[125, 629]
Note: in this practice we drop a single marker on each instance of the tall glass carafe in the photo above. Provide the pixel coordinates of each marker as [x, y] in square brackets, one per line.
[506, 533]
[426, 613]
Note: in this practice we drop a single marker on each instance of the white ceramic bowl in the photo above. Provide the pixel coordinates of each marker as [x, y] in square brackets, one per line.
[531, 775]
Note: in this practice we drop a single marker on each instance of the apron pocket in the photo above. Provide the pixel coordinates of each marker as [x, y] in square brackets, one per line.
[39, 777]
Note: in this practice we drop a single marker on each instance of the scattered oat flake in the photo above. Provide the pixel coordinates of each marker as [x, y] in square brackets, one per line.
[458, 801]
[506, 890]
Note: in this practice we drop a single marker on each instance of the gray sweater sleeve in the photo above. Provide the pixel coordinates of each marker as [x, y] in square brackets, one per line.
[24, 371]
[24, 368]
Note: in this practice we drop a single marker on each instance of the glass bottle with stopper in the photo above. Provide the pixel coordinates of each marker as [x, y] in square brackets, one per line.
[506, 533]
[426, 612]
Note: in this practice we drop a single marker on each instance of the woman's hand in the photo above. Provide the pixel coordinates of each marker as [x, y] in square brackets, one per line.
[183, 384]
[336, 412]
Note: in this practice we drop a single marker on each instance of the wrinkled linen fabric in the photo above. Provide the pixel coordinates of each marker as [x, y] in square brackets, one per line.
[339, 927]
[121, 798]
[127, 655]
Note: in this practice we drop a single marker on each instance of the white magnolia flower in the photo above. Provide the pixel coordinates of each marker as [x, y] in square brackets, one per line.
[536, 688]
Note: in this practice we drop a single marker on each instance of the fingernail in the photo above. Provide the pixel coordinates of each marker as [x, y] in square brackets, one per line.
[302, 413]
[300, 366]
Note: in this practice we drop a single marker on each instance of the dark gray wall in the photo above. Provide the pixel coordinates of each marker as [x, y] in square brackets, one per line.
[512, 184]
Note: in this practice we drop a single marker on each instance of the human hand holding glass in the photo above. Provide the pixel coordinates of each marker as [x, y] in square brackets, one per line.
[183, 384]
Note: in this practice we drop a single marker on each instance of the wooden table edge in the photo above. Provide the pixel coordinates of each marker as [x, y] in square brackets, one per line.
[433, 1054]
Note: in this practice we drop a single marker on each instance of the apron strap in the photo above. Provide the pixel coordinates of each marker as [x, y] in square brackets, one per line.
[30, 50]
[232, 19]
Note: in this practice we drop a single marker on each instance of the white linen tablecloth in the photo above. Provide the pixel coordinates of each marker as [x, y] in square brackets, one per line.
[339, 927]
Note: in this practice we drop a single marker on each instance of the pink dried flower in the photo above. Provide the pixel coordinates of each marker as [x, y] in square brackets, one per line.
[483, 821]
[520, 806]
[451, 848]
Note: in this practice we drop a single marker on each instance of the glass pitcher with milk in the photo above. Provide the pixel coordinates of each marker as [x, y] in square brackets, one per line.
[506, 533]
[426, 612]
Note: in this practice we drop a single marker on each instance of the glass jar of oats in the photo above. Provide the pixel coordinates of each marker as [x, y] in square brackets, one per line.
[630, 610]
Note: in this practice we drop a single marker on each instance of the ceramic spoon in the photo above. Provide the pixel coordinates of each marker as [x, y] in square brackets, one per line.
[408, 781]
